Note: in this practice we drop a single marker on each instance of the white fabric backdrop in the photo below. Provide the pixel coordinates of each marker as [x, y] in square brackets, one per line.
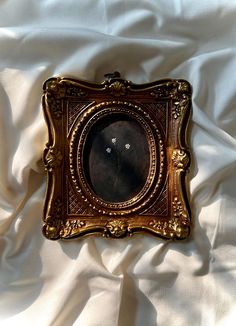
[143, 280]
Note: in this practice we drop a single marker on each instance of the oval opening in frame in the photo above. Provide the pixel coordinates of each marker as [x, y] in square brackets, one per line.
[116, 158]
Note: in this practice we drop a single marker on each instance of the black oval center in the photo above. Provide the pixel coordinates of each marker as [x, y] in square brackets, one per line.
[116, 158]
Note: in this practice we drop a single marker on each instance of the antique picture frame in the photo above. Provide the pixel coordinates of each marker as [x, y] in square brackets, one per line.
[116, 158]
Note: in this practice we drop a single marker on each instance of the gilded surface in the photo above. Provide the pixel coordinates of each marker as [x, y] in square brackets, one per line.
[116, 228]
[117, 88]
[180, 159]
[71, 226]
[53, 158]
[79, 182]
[162, 108]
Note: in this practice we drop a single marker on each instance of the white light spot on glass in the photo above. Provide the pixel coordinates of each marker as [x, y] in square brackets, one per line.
[113, 140]
[108, 150]
[127, 146]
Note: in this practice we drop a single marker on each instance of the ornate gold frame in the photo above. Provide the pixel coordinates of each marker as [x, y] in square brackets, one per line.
[71, 108]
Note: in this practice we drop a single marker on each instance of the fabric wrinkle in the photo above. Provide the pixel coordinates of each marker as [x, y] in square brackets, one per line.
[140, 280]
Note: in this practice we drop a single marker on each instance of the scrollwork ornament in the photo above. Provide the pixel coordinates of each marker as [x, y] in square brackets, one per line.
[180, 104]
[180, 159]
[179, 212]
[169, 228]
[117, 88]
[55, 91]
[75, 92]
[53, 158]
[175, 226]
[55, 88]
[180, 93]
[157, 224]
[184, 87]
[71, 226]
[52, 227]
[160, 92]
[116, 228]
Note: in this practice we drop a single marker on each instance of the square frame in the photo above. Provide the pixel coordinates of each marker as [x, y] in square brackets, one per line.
[71, 108]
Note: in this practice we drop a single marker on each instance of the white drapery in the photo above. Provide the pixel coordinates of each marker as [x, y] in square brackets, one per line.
[143, 280]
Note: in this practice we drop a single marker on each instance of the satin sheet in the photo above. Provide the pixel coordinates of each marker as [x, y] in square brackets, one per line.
[143, 280]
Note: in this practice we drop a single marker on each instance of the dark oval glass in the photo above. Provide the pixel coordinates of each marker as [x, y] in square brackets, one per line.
[116, 158]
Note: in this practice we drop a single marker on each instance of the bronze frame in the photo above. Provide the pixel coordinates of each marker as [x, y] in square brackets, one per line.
[63, 157]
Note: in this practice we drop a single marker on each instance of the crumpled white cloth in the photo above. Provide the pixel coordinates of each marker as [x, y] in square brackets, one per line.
[143, 280]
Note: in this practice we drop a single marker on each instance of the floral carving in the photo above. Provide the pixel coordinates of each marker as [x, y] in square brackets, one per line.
[180, 104]
[117, 228]
[177, 207]
[180, 93]
[55, 106]
[160, 91]
[158, 224]
[179, 212]
[56, 227]
[53, 158]
[180, 159]
[117, 88]
[56, 88]
[71, 226]
[167, 228]
[75, 91]
[174, 225]
[177, 225]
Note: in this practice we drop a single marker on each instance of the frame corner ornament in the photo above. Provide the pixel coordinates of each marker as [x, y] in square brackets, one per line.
[160, 112]
[52, 228]
[181, 95]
